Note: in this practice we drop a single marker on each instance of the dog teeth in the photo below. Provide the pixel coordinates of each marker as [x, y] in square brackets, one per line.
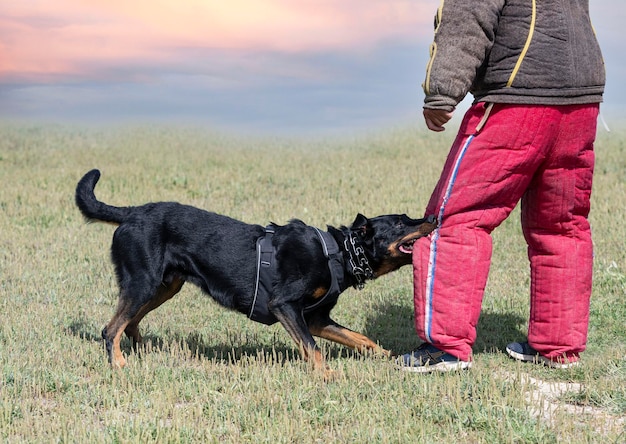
[407, 247]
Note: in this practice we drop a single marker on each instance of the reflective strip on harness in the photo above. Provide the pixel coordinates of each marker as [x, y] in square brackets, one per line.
[266, 270]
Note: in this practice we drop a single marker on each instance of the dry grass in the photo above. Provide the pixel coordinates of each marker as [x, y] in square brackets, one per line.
[208, 375]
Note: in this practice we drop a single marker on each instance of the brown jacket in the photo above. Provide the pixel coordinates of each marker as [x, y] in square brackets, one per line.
[514, 51]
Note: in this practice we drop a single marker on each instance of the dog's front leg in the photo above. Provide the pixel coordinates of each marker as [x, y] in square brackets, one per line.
[291, 319]
[324, 327]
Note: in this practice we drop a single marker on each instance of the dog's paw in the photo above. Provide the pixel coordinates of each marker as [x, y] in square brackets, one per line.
[330, 375]
[118, 362]
[384, 353]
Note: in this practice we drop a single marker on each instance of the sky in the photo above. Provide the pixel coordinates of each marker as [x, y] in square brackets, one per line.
[243, 65]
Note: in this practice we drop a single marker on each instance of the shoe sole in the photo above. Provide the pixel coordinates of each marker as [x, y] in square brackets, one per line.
[538, 359]
[441, 367]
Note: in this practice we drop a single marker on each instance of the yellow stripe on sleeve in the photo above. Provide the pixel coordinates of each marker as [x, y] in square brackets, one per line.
[433, 49]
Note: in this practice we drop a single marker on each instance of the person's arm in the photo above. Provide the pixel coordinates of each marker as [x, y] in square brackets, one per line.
[464, 34]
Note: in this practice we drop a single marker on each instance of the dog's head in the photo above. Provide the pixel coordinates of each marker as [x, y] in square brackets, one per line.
[388, 240]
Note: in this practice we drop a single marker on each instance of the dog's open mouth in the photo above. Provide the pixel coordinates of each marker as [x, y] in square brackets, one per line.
[407, 247]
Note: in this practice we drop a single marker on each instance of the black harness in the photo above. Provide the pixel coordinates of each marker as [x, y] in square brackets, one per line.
[266, 272]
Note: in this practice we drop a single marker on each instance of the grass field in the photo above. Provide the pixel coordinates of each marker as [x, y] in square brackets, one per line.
[209, 375]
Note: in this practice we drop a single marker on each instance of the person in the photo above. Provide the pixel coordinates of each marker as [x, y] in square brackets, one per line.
[537, 76]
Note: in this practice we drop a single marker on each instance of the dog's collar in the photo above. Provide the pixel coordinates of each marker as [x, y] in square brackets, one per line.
[357, 260]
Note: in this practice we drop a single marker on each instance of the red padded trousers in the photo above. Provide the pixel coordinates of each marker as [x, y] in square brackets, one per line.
[543, 156]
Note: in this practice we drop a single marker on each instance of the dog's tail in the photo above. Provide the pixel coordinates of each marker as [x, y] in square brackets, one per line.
[91, 207]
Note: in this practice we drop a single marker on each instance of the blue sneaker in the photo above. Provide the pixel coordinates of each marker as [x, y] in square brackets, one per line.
[522, 351]
[428, 358]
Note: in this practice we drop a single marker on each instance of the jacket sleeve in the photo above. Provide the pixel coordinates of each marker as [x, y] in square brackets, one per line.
[464, 34]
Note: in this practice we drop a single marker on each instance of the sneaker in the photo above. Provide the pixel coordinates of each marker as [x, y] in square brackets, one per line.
[522, 351]
[428, 358]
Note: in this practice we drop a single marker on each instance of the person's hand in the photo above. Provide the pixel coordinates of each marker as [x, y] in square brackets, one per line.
[436, 118]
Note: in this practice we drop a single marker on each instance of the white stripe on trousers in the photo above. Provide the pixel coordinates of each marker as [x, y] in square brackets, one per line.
[432, 258]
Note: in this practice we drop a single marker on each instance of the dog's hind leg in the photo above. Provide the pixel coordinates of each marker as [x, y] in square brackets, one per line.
[136, 300]
[112, 333]
[166, 291]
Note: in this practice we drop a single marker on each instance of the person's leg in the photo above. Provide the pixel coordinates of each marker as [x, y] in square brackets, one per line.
[484, 177]
[555, 225]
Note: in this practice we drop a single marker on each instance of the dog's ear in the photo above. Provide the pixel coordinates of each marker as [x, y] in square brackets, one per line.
[360, 225]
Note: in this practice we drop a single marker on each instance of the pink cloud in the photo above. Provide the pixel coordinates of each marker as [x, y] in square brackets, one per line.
[44, 39]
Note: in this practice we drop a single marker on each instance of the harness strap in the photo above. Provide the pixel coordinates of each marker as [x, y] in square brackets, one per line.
[266, 271]
[335, 264]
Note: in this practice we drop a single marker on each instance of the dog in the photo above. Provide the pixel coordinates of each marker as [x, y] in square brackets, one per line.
[292, 274]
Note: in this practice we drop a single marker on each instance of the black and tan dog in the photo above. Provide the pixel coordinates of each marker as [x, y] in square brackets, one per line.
[292, 273]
